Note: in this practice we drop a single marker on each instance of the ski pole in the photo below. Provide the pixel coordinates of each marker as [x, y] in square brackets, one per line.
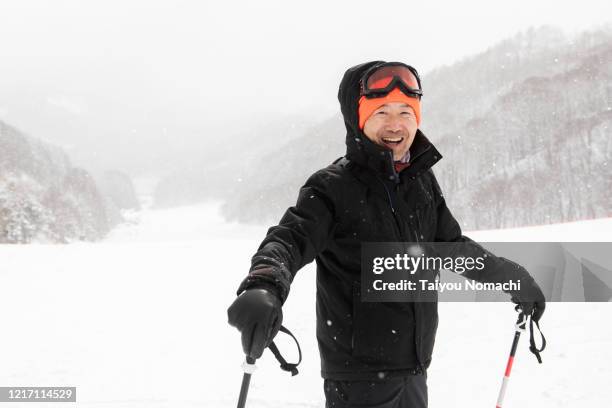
[520, 327]
[249, 368]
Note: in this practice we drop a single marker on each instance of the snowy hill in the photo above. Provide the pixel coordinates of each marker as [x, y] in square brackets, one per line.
[534, 145]
[43, 198]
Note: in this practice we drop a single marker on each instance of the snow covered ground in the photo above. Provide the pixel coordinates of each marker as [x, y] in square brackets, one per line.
[140, 321]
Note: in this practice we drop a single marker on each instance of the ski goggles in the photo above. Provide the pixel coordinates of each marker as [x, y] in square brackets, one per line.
[383, 78]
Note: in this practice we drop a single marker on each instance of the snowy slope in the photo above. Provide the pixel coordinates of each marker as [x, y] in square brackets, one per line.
[140, 321]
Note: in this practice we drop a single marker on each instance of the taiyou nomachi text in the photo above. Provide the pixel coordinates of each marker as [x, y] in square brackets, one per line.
[426, 285]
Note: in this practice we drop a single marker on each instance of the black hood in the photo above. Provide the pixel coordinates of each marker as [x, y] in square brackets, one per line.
[361, 150]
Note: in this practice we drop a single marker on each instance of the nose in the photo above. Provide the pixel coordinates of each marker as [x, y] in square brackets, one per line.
[394, 123]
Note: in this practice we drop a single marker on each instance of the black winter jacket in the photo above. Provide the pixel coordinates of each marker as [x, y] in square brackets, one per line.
[361, 198]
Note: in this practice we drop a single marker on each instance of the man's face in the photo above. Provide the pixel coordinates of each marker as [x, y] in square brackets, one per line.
[393, 126]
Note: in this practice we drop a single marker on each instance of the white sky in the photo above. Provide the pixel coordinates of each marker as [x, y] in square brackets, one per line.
[180, 66]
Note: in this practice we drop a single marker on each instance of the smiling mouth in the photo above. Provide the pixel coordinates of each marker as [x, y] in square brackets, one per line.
[392, 141]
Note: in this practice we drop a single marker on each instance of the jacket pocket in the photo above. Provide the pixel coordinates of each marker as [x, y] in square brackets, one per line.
[383, 332]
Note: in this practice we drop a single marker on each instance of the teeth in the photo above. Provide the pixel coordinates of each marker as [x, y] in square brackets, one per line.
[392, 139]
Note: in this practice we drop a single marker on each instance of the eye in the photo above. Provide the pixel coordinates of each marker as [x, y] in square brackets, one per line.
[406, 113]
[381, 113]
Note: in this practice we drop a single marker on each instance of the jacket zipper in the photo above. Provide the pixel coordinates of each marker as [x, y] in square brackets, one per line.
[396, 216]
[418, 226]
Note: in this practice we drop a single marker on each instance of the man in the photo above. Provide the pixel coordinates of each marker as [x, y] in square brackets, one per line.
[383, 190]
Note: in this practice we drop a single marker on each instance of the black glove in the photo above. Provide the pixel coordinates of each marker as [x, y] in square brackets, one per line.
[530, 299]
[258, 314]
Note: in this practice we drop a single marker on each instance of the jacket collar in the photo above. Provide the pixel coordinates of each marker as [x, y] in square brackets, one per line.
[361, 150]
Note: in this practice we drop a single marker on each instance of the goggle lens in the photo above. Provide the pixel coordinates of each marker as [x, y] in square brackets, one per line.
[382, 77]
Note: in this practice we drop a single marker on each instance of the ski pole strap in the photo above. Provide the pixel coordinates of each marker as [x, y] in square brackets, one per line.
[290, 367]
[532, 347]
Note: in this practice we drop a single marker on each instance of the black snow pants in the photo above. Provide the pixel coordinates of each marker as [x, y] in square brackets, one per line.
[401, 392]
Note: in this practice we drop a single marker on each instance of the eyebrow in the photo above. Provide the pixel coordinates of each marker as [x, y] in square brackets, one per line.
[386, 105]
